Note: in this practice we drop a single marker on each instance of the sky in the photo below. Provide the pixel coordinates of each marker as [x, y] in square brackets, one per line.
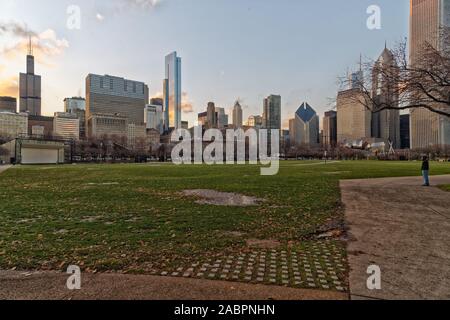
[231, 49]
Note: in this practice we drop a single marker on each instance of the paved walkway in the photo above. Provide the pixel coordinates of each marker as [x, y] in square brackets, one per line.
[4, 168]
[405, 230]
[52, 286]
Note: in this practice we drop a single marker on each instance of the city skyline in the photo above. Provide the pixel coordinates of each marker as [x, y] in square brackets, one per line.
[222, 69]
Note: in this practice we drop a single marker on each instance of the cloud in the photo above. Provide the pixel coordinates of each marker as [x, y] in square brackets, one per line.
[186, 104]
[9, 86]
[115, 8]
[99, 17]
[140, 4]
[46, 45]
[15, 29]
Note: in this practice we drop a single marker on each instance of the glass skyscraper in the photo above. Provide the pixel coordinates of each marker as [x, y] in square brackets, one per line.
[272, 112]
[172, 92]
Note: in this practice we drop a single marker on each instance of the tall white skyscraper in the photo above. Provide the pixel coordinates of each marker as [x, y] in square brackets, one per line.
[172, 92]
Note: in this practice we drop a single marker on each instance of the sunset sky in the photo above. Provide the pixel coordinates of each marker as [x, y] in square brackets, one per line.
[231, 49]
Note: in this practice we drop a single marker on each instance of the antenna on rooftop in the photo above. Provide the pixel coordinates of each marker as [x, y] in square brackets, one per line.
[30, 46]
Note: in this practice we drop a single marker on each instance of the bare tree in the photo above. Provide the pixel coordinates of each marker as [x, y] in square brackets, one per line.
[3, 151]
[422, 83]
[4, 138]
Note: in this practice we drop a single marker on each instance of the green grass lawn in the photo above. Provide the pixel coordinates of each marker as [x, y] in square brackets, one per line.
[445, 187]
[132, 218]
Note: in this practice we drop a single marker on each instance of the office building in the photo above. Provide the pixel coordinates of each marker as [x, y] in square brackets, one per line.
[255, 122]
[153, 138]
[30, 87]
[405, 131]
[40, 126]
[77, 105]
[13, 125]
[237, 115]
[8, 104]
[304, 128]
[329, 135]
[136, 135]
[222, 118]
[117, 97]
[211, 115]
[154, 117]
[172, 92]
[66, 126]
[272, 112]
[353, 117]
[71, 105]
[385, 123]
[202, 119]
[426, 21]
[356, 80]
[107, 125]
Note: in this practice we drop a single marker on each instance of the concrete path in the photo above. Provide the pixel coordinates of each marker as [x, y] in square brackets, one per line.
[52, 286]
[4, 168]
[405, 230]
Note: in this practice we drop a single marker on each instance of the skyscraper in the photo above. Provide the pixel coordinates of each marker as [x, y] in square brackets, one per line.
[71, 105]
[353, 118]
[304, 128]
[30, 87]
[109, 95]
[237, 115]
[66, 125]
[405, 131]
[154, 117]
[77, 105]
[255, 122]
[172, 92]
[222, 118]
[330, 129]
[427, 19]
[272, 112]
[385, 123]
[211, 115]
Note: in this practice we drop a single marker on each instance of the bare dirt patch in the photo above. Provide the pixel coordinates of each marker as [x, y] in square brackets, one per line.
[217, 198]
[263, 244]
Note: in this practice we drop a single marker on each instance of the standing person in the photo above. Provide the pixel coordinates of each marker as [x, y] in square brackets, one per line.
[426, 171]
